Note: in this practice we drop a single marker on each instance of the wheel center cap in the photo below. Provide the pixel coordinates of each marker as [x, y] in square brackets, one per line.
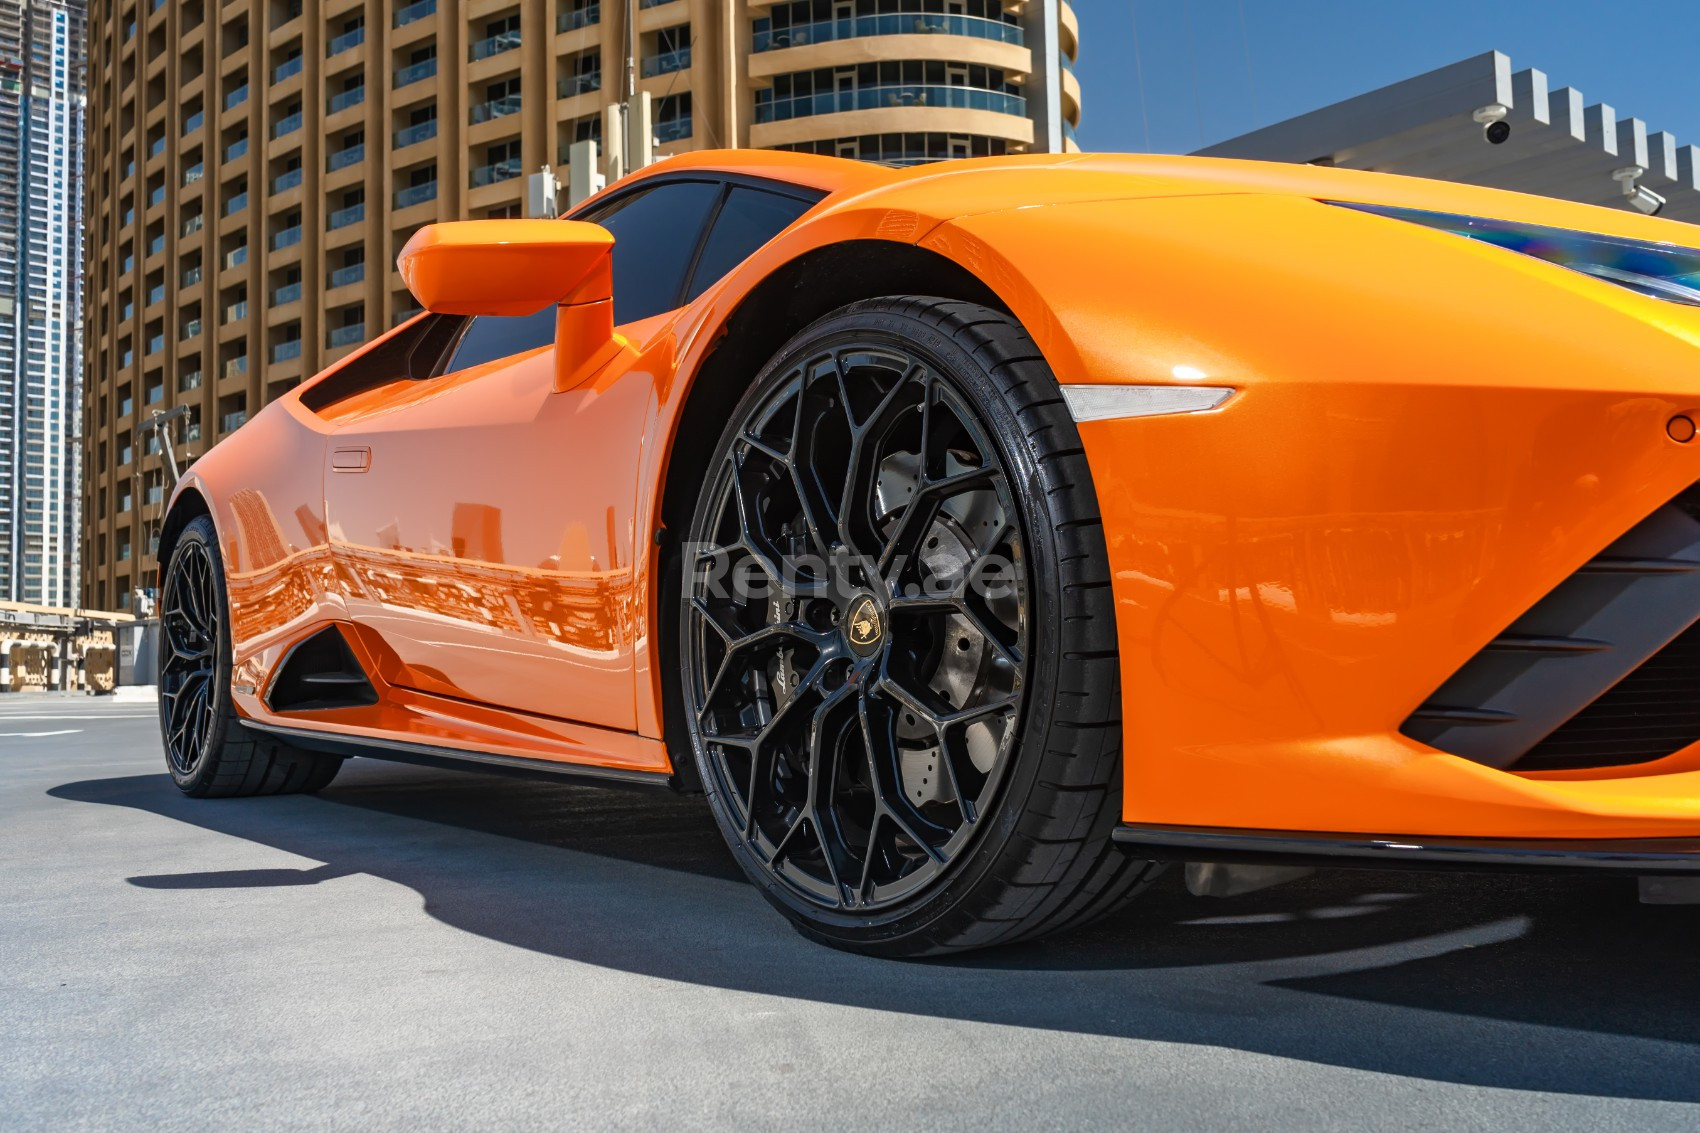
[864, 625]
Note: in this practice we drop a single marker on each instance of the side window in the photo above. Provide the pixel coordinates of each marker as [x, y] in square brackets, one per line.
[655, 234]
[748, 219]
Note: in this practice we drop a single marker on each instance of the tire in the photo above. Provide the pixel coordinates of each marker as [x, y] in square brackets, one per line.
[207, 750]
[900, 678]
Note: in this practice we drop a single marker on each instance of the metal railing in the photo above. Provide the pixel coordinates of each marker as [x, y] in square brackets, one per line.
[416, 133]
[345, 157]
[667, 62]
[579, 84]
[344, 99]
[905, 23]
[345, 41]
[415, 72]
[344, 217]
[496, 171]
[884, 95]
[495, 108]
[413, 13]
[416, 195]
[493, 45]
[673, 129]
[579, 18]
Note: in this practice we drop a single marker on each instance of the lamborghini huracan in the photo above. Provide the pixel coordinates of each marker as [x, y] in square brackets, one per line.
[978, 537]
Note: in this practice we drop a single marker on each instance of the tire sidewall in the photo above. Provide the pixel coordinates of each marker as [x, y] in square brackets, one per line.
[201, 531]
[951, 896]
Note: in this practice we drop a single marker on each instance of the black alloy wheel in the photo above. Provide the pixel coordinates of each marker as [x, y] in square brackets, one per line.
[859, 620]
[208, 750]
[188, 619]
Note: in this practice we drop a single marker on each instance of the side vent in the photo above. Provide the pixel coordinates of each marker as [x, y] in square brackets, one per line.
[1597, 673]
[320, 672]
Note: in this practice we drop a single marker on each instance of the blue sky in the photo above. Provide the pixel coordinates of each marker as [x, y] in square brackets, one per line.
[1212, 69]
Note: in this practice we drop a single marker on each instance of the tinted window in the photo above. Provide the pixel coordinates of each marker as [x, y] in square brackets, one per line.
[490, 338]
[655, 235]
[749, 219]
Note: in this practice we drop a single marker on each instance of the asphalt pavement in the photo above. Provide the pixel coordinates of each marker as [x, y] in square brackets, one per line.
[419, 949]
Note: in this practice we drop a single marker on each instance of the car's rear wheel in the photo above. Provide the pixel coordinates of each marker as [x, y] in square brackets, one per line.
[207, 750]
[897, 641]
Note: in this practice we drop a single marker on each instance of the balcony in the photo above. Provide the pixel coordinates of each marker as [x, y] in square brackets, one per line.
[415, 72]
[673, 129]
[155, 196]
[343, 158]
[236, 149]
[287, 180]
[287, 69]
[346, 336]
[231, 422]
[236, 257]
[156, 245]
[347, 41]
[194, 224]
[667, 62]
[287, 237]
[191, 276]
[236, 367]
[493, 45]
[344, 217]
[156, 147]
[194, 122]
[353, 273]
[345, 99]
[236, 312]
[413, 13]
[236, 204]
[288, 293]
[495, 108]
[896, 94]
[156, 343]
[236, 97]
[579, 18]
[287, 351]
[413, 135]
[189, 381]
[906, 23]
[191, 329]
[579, 84]
[194, 173]
[416, 195]
[287, 125]
[497, 171]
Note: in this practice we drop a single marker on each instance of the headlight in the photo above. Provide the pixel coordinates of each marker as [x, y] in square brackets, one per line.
[1663, 271]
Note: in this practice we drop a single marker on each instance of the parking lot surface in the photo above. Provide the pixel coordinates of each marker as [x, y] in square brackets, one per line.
[422, 949]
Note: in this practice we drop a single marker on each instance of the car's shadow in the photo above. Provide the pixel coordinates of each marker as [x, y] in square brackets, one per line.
[1558, 984]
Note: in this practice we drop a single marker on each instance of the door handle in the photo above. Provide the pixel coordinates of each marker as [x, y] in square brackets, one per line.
[351, 459]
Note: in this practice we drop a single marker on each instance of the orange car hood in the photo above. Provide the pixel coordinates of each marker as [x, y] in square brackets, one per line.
[968, 188]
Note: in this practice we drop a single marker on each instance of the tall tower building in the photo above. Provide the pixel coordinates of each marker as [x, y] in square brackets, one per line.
[255, 166]
[41, 166]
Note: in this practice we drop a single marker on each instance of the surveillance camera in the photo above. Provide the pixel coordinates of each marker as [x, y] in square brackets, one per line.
[1639, 197]
[1492, 119]
[1646, 200]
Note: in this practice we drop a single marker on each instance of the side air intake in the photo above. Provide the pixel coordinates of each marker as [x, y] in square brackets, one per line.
[1603, 671]
[320, 672]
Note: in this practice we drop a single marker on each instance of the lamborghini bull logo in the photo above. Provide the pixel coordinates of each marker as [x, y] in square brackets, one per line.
[864, 624]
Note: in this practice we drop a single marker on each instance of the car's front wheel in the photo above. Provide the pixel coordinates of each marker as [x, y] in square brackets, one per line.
[207, 750]
[897, 638]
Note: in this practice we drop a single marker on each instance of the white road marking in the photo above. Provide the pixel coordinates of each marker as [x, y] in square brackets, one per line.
[39, 735]
[103, 716]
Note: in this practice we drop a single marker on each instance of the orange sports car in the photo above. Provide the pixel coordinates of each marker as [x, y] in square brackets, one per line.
[979, 536]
